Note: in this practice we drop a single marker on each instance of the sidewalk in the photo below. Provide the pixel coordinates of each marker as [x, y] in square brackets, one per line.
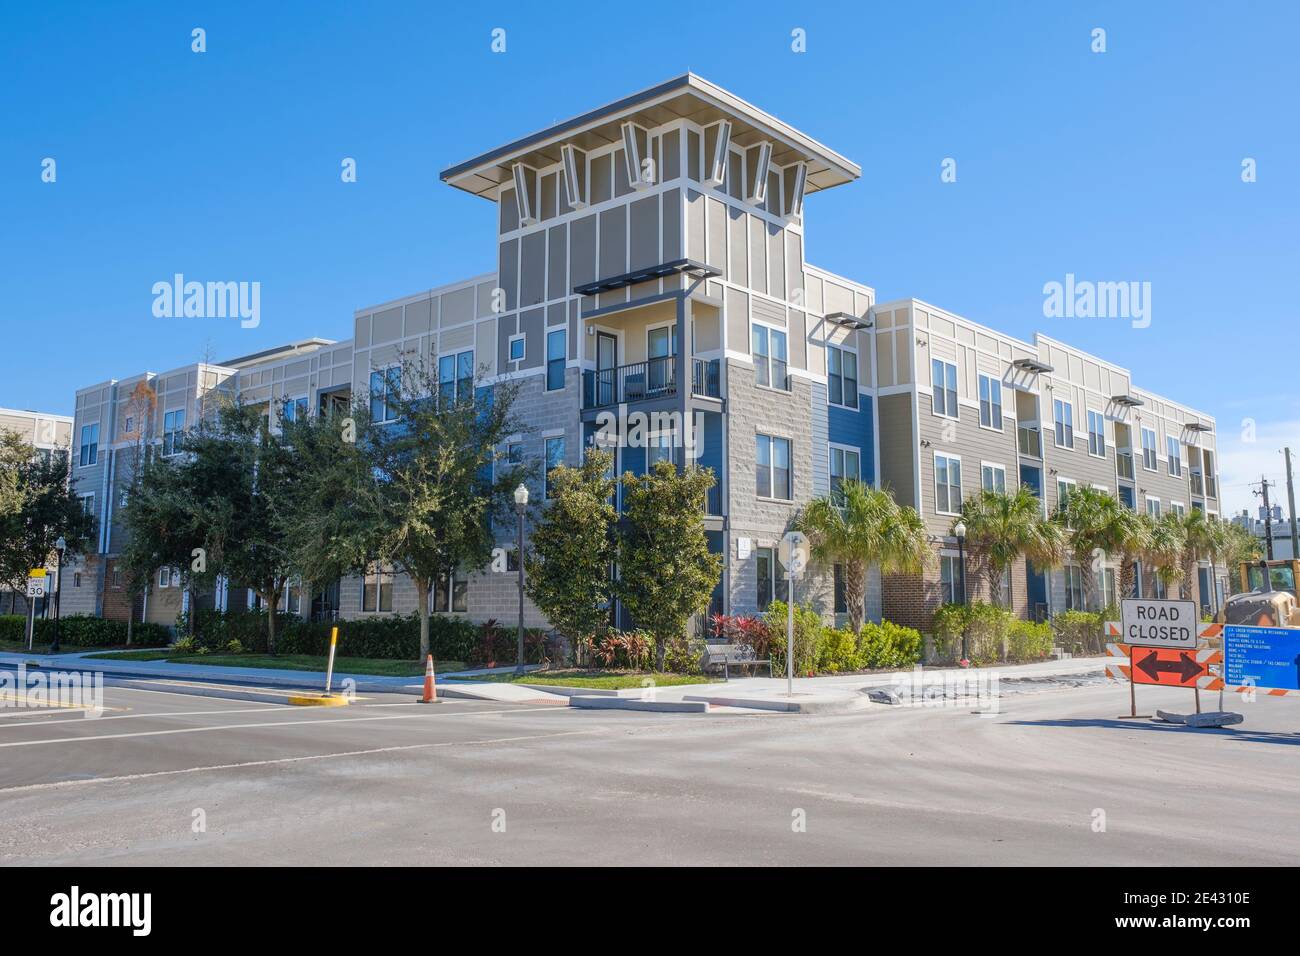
[829, 694]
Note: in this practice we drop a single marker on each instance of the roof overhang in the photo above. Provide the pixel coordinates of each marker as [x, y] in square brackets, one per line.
[690, 267]
[1198, 427]
[847, 320]
[1033, 365]
[1128, 401]
[684, 97]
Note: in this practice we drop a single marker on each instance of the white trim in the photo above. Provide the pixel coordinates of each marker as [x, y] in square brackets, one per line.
[961, 482]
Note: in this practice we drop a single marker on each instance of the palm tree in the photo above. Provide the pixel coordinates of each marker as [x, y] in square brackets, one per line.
[1130, 542]
[1165, 551]
[858, 526]
[1088, 518]
[1198, 542]
[1001, 527]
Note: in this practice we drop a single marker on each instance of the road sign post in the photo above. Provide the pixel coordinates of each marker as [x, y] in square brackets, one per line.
[35, 589]
[794, 555]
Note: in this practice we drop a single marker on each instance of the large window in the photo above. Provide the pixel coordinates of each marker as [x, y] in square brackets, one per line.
[772, 465]
[1149, 456]
[1063, 488]
[770, 578]
[947, 484]
[1063, 417]
[295, 409]
[992, 477]
[1175, 449]
[770, 357]
[846, 463]
[555, 359]
[950, 579]
[89, 444]
[990, 402]
[1073, 588]
[173, 429]
[1096, 434]
[385, 386]
[554, 459]
[456, 376]
[377, 589]
[456, 586]
[943, 378]
[1153, 506]
[842, 376]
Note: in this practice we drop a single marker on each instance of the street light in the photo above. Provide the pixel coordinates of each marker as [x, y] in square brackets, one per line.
[521, 502]
[60, 546]
[960, 532]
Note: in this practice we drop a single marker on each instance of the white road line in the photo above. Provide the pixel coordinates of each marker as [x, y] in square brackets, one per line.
[60, 784]
[277, 723]
[271, 708]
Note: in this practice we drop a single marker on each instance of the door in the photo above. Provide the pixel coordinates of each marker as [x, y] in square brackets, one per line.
[606, 367]
[661, 351]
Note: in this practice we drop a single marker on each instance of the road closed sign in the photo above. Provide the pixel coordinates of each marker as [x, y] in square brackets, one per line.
[1159, 623]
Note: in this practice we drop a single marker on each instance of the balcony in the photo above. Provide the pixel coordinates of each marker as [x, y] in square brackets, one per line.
[1198, 485]
[1124, 464]
[1030, 441]
[643, 381]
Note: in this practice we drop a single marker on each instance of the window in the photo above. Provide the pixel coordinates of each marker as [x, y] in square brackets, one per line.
[88, 504]
[456, 376]
[164, 577]
[1074, 588]
[773, 468]
[89, 444]
[173, 426]
[846, 463]
[76, 579]
[659, 447]
[1159, 587]
[950, 579]
[1178, 508]
[990, 402]
[842, 376]
[554, 459]
[943, 377]
[1063, 488]
[1149, 449]
[1096, 434]
[117, 578]
[123, 498]
[1175, 449]
[1106, 582]
[459, 591]
[517, 346]
[128, 426]
[293, 597]
[377, 589]
[1153, 507]
[295, 409]
[841, 602]
[770, 358]
[1063, 416]
[947, 484]
[384, 386]
[1127, 498]
[555, 356]
[515, 453]
[771, 582]
[993, 477]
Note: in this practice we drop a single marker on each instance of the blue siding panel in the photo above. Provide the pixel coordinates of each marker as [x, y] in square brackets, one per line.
[821, 470]
[847, 427]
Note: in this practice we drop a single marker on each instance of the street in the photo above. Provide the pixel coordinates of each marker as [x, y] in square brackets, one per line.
[1054, 778]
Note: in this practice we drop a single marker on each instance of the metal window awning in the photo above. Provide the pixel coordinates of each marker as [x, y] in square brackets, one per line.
[691, 267]
[1128, 401]
[1198, 427]
[1033, 365]
[847, 320]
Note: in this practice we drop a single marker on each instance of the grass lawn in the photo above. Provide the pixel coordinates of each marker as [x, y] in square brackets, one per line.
[601, 680]
[41, 648]
[288, 662]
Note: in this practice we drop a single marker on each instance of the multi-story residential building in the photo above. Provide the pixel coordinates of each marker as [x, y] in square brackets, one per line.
[650, 260]
[48, 435]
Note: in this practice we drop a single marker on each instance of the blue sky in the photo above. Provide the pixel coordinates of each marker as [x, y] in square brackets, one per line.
[1124, 165]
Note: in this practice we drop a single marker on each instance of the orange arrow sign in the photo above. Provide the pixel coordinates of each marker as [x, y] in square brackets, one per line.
[1168, 666]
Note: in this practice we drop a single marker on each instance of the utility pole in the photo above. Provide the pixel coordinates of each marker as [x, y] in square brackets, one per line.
[1268, 516]
[1290, 502]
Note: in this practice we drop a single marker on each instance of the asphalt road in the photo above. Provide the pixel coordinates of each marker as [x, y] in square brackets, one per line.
[388, 781]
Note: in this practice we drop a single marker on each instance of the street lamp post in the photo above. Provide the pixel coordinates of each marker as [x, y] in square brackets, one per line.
[960, 531]
[521, 503]
[59, 546]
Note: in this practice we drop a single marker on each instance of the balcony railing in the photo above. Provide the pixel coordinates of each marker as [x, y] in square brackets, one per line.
[654, 378]
[1124, 465]
[1210, 490]
[1030, 441]
[1198, 485]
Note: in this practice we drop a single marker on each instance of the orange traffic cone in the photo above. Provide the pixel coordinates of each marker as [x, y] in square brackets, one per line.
[430, 690]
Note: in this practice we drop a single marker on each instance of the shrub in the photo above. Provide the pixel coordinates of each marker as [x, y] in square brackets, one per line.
[491, 644]
[629, 649]
[745, 630]
[986, 632]
[387, 638]
[1079, 632]
[186, 645]
[838, 650]
[950, 623]
[888, 646]
[1029, 641]
[807, 636]
[682, 655]
[84, 631]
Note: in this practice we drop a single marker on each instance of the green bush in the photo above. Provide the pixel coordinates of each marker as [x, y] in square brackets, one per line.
[1029, 641]
[838, 651]
[807, 636]
[950, 623]
[888, 646]
[987, 631]
[83, 631]
[1079, 632]
[388, 638]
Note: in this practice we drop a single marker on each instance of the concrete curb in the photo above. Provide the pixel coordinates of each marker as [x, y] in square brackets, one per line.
[628, 703]
[781, 705]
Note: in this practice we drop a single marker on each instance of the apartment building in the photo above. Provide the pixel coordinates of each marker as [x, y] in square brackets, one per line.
[651, 293]
[48, 435]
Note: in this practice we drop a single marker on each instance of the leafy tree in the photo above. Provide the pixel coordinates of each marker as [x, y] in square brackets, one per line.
[1238, 545]
[573, 547]
[858, 526]
[437, 484]
[1001, 527]
[140, 420]
[49, 509]
[667, 570]
[14, 453]
[1087, 519]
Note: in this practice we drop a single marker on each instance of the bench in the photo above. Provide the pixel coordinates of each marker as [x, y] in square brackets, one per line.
[733, 655]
